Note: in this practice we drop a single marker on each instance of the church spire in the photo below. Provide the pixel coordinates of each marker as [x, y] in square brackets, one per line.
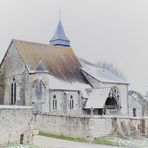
[59, 37]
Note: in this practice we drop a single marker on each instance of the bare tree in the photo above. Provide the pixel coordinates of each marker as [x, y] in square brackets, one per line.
[111, 68]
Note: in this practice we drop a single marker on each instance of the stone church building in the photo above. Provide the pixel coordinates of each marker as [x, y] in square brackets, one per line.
[51, 78]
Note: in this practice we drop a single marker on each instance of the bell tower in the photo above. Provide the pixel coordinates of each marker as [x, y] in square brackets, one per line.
[59, 38]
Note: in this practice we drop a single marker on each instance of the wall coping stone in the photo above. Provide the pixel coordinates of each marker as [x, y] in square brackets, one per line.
[118, 117]
[62, 115]
[15, 107]
[90, 116]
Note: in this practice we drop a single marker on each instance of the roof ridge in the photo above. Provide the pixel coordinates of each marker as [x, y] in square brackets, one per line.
[44, 44]
[18, 40]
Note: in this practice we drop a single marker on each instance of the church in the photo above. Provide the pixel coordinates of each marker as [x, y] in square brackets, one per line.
[52, 79]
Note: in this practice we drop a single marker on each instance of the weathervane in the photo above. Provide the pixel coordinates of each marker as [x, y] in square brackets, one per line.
[59, 13]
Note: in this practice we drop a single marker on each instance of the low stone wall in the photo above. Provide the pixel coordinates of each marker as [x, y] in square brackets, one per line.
[90, 126]
[62, 125]
[100, 126]
[16, 124]
[127, 126]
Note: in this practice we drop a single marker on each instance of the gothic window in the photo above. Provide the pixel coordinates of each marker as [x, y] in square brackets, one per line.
[13, 92]
[134, 112]
[114, 92]
[112, 104]
[38, 90]
[54, 103]
[71, 102]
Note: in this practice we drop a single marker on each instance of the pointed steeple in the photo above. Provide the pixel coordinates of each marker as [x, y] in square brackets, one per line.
[59, 37]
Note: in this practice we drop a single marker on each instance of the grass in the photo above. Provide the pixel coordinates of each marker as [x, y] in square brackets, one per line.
[131, 142]
[102, 140]
[62, 137]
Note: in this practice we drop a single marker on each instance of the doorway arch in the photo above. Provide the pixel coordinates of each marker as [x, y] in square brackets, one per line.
[112, 106]
[111, 101]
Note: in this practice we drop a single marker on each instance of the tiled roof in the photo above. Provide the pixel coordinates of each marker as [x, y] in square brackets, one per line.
[60, 61]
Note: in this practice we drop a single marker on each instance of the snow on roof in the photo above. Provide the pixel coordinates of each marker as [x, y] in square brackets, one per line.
[101, 74]
[59, 84]
[97, 98]
[137, 96]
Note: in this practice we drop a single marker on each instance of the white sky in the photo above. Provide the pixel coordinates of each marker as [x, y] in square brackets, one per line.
[115, 31]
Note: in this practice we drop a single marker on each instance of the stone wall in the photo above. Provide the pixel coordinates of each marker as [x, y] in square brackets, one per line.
[16, 124]
[63, 102]
[13, 67]
[139, 104]
[90, 126]
[135, 104]
[74, 126]
[118, 125]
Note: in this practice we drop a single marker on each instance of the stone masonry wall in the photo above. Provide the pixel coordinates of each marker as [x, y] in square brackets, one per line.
[16, 124]
[132, 103]
[73, 126]
[13, 67]
[90, 126]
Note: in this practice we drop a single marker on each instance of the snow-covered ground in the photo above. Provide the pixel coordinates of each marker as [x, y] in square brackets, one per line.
[23, 146]
[132, 142]
[44, 142]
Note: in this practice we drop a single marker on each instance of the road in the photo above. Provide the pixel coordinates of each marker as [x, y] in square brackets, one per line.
[46, 142]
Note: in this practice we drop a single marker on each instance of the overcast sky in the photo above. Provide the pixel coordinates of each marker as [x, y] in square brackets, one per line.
[115, 31]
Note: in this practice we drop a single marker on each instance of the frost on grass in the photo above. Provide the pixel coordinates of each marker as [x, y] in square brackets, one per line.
[22, 146]
[127, 142]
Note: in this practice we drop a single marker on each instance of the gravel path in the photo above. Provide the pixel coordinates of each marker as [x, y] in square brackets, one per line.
[46, 142]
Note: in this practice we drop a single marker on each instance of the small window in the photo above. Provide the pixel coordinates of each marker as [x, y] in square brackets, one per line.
[71, 102]
[13, 92]
[54, 103]
[134, 112]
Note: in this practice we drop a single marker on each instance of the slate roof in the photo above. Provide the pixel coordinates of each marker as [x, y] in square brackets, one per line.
[60, 61]
[100, 74]
[137, 96]
[59, 37]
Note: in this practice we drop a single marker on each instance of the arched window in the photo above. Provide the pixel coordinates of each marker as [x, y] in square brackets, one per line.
[112, 104]
[39, 91]
[13, 92]
[54, 103]
[71, 102]
[114, 92]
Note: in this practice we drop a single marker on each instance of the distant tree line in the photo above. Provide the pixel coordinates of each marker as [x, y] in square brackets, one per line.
[107, 66]
[111, 68]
